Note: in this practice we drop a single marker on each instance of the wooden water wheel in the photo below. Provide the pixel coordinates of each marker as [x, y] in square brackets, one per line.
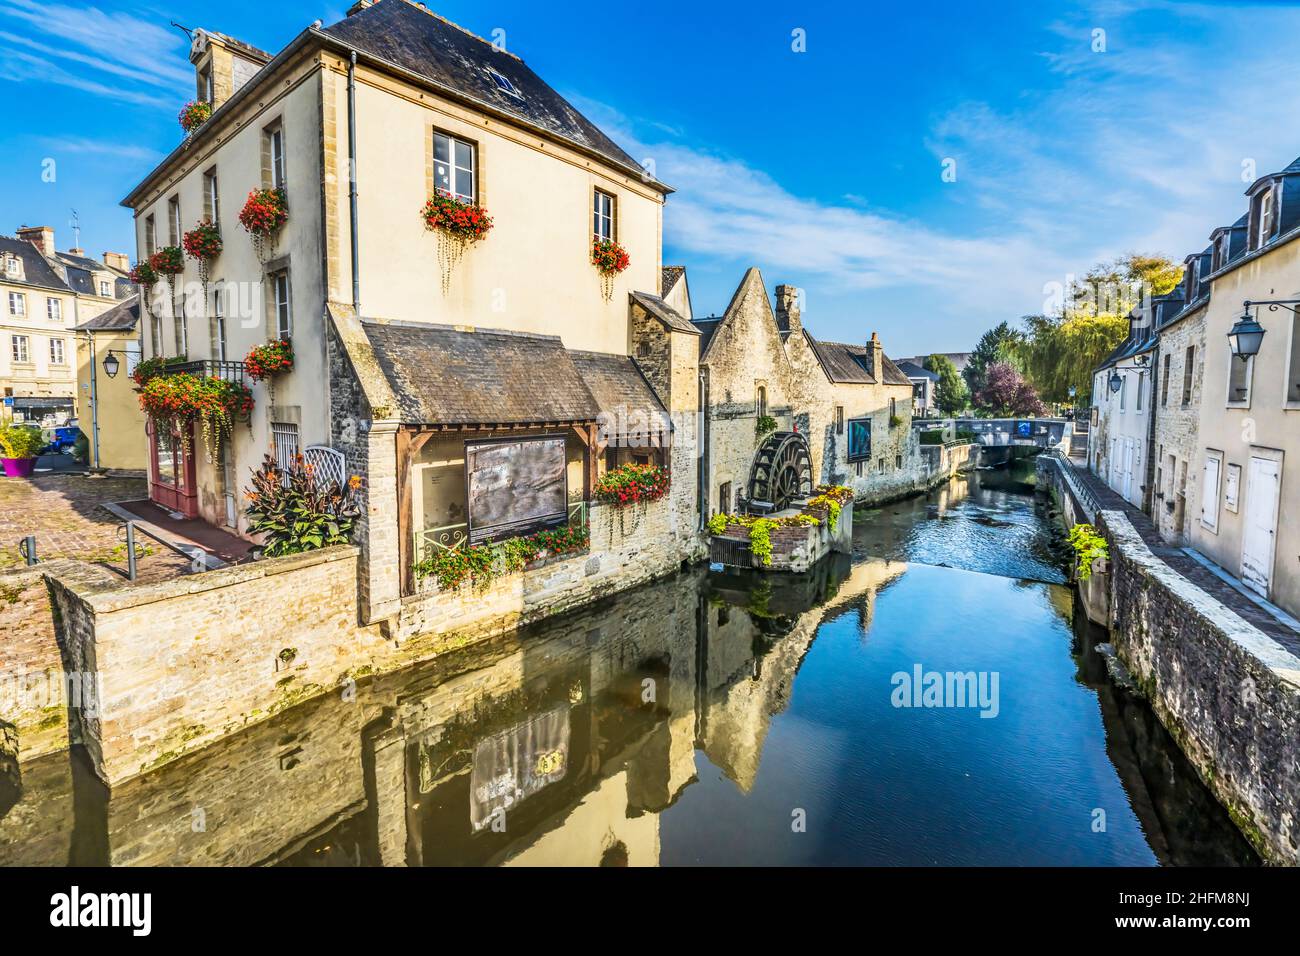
[782, 472]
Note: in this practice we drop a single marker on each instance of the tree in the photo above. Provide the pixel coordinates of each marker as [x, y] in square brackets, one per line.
[999, 344]
[950, 395]
[1006, 393]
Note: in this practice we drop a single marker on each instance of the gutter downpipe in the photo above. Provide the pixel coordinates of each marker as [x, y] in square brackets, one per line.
[352, 181]
[702, 468]
[94, 397]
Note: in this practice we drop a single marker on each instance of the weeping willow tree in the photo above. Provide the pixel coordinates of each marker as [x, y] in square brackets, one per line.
[1059, 352]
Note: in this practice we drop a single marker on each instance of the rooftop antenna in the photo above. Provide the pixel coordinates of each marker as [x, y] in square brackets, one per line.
[188, 32]
[75, 223]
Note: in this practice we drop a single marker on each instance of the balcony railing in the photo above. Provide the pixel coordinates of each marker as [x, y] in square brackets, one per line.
[452, 537]
[210, 368]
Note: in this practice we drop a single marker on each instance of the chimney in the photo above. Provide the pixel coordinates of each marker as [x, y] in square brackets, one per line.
[76, 251]
[358, 6]
[117, 260]
[787, 309]
[875, 357]
[42, 237]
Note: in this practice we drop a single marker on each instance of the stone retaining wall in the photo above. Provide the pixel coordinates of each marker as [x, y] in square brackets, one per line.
[183, 662]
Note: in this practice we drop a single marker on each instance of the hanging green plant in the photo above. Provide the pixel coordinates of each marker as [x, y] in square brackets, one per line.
[168, 261]
[1090, 546]
[266, 361]
[203, 244]
[764, 426]
[142, 274]
[610, 259]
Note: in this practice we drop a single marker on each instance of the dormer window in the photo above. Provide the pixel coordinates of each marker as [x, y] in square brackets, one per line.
[1189, 280]
[1221, 248]
[1263, 218]
[13, 267]
[504, 85]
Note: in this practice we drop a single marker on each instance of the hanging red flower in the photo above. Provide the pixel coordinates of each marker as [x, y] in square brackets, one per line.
[263, 361]
[174, 401]
[194, 114]
[265, 211]
[168, 261]
[142, 274]
[203, 242]
[629, 484]
[609, 257]
[464, 220]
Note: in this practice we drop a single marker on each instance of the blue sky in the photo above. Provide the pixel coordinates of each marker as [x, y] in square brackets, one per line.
[822, 167]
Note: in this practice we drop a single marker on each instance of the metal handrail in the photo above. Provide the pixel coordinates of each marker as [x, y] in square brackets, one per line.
[451, 537]
[210, 368]
[197, 556]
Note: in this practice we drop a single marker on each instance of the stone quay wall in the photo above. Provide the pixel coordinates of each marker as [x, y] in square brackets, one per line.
[1227, 692]
[184, 662]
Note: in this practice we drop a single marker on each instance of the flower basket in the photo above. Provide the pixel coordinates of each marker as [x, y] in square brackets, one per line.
[203, 244]
[193, 115]
[150, 367]
[264, 361]
[629, 484]
[458, 224]
[264, 212]
[610, 259]
[167, 261]
[174, 401]
[142, 274]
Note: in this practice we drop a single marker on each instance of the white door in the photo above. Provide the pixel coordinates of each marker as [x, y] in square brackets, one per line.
[228, 479]
[1128, 468]
[1210, 494]
[1259, 537]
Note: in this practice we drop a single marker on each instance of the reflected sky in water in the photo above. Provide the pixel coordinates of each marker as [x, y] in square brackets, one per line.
[705, 719]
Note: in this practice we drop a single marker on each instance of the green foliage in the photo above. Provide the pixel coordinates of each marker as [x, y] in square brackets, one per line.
[951, 396]
[999, 344]
[1089, 546]
[296, 512]
[760, 540]
[20, 441]
[765, 425]
[480, 564]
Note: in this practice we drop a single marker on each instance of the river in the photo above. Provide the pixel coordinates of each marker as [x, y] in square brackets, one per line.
[934, 699]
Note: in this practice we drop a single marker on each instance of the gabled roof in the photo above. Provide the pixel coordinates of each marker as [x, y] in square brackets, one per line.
[617, 385]
[851, 364]
[120, 318]
[37, 270]
[87, 263]
[424, 43]
[668, 277]
[912, 370]
[664, 312]
[706, 326]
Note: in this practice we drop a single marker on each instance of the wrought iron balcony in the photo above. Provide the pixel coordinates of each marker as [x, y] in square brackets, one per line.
[210, 368]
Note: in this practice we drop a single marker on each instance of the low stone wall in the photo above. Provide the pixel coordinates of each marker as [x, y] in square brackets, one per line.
[183, 662]
[932, 466]
[1228, 693]
[33, 683]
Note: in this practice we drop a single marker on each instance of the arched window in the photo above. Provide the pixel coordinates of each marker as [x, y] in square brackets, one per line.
[760, 404]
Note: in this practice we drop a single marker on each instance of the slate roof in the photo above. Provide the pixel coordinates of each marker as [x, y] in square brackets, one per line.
[444, 376]
[668, 277]
[664, 312]
[851, 364]
[424, 43]
[37, 270]
[120, 318]
[912, 370]
[86, 263]
[707, 326]
[615, 382]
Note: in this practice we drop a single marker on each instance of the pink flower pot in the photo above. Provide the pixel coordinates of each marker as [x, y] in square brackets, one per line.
[18, 467]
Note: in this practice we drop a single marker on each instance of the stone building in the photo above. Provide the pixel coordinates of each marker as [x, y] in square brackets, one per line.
[478, 390]
[44, 295]
[777, 398]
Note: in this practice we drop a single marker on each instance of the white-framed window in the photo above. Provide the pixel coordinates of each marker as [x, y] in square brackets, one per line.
[219, 324]
[1141, 387]
[284, 435]
[1240, 375]
[105, 288]
[181, 330]
[13, 267]
[275, 142]
[57, 356]
[53, 309]
[603, 215]
[455, 166]
[211, 202]
[281, 305]
[20, 347]
[1221, 251]
[175, 230]
[1210, 481]
[1265, 220]
[17, 303]
[1123, 392]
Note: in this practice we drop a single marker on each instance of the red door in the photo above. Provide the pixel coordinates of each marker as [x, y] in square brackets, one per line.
[171, 470]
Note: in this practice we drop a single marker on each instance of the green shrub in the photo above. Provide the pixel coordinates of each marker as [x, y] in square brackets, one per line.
[20, 441]
[1089, 546]
[296, 511]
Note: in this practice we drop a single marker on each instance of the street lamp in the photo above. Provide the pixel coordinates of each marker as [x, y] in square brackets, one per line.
[1115, 382]
[1247, 335]
[110, 364]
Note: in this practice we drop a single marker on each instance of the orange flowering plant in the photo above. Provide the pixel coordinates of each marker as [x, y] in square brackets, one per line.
[194, 114]
[297, 511]
[175, 401]
[609, 257]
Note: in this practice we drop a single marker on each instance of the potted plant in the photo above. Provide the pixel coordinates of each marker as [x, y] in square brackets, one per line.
[296, 510]
[19, 446]
[610, 259]
[203, 244]
[458, 224]
[264, 213]
[194, 114]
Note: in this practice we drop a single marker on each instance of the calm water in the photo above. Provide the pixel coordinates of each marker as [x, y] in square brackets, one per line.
[708, 719]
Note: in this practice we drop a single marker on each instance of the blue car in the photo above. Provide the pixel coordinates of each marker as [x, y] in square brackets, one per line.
[61, 438]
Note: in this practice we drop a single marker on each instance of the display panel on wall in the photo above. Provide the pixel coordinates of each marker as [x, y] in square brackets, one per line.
[859, 438]
[515, 486]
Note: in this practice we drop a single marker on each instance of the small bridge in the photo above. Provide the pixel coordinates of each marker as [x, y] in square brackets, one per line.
[1005, 439]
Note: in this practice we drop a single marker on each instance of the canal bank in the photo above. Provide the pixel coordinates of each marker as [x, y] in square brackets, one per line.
[728, 718]
[1224, 681]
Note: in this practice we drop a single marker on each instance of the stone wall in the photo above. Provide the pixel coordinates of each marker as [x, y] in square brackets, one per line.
[33, 684]
[183, 662]
[1228, 693]
[1177, 478]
